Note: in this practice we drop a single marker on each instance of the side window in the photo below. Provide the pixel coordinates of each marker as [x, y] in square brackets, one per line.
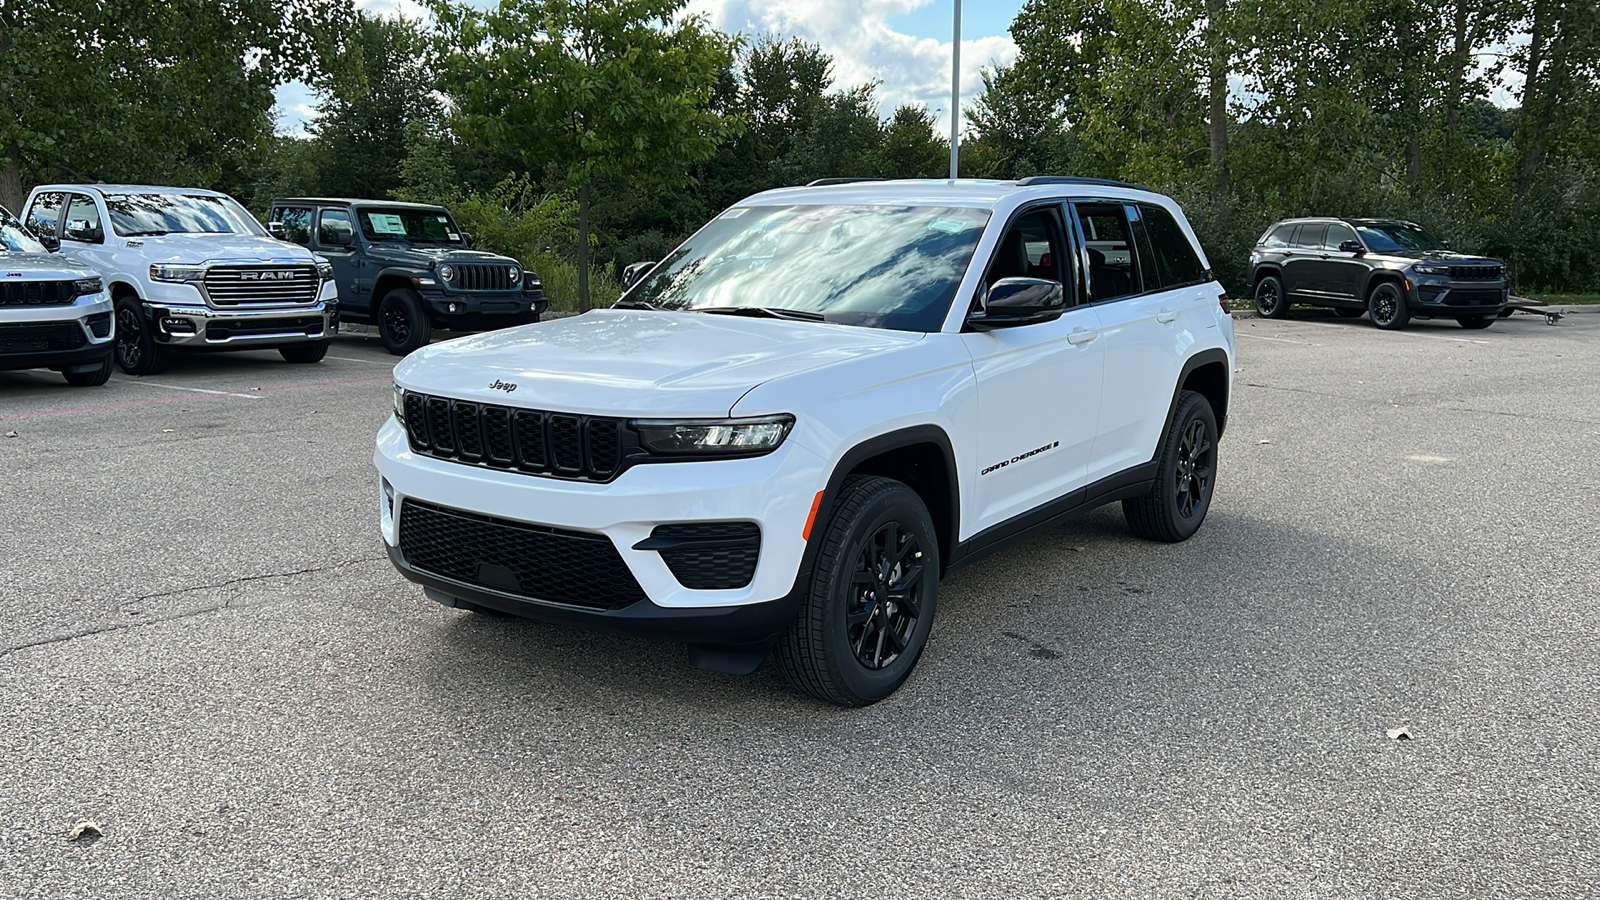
[82, 221]
[1279, 237]
[1177, 263]
[296, 222]
[45, 213]
[1338, 234]
[1310, 237]
[328, 222]
[1109, 244]
[1031, 248]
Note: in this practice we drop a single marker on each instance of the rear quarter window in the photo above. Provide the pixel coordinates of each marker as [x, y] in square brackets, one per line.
[1177, 263]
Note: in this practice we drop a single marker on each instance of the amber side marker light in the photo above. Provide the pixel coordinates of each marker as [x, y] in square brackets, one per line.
[812, 518]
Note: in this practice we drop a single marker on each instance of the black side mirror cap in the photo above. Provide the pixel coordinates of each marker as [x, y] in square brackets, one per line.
[339, 236]
[466, 239]
[1351, 247]
[636, 271]
[1011, 302]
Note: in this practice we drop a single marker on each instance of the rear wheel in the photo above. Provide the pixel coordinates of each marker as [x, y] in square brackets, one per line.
[1475, 322]
[1270, 300]
[1387, 307]
[91, 378]
[137, 352]
[304, 353]
[870, 604]
[1177, 503]
[403, 324]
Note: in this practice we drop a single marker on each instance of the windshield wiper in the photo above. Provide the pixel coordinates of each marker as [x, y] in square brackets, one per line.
[637, 304]
[774, 312]
[146, 233]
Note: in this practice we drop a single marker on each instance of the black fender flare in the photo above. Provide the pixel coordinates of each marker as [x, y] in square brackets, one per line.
[1378, 276]
[1205, 357]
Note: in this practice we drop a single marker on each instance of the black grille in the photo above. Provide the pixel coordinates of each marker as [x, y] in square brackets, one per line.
[262, 285]
[37, 293]
[299, 325]
[1472, 298]
[45, 337]
[485, 277]
[99, 324]
[708, 556]
[554, 565]
[1476, 273]
[527, 440]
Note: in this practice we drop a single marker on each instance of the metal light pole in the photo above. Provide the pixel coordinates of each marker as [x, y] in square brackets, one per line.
[955, 96]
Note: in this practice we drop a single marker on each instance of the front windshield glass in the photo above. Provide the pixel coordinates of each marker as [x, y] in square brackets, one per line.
[133, 215]
[1398, 237]
[430, 226]
[14, 238]
[879, 266]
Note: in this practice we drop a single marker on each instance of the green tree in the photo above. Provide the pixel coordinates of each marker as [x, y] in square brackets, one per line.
[910, 149]
[595, 88]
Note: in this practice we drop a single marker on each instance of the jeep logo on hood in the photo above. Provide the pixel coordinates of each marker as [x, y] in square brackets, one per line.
[499, 385]
[268, 275]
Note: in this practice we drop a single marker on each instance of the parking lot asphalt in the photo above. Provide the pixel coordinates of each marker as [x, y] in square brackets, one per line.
[204, 651]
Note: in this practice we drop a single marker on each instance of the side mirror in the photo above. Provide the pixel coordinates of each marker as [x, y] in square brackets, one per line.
[338, 234]
[466, 239]
[1019, 301]
[1352, 247]
[277, 230]
[50, 242]
[632, 273]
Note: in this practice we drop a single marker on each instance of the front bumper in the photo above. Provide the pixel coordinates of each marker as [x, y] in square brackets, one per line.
[1440, 296]
[774, 491]
[180, 325]
[482, 311]
[83, 314]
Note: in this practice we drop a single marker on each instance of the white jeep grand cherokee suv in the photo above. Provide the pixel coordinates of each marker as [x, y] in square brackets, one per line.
[189, 268]
[827, 398]
[54, 313]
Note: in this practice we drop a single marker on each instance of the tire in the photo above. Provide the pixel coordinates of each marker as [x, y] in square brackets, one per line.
[1475, 322]
[1507, 313]
[1344, 313]
[137, 352]
[403, 325]
[853, 643]
[304, 353]
[1271, 303]
[1185, 477]
[93, 377]
[1387, 307]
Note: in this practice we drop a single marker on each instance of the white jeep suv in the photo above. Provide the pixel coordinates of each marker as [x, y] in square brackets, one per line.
[787, 431]
[54, 313]
[189, 268]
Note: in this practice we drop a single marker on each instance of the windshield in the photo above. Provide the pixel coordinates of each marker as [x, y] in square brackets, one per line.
[133, 215]
[1398, 236]
[432, 226]
[14, 238]
[879, 266]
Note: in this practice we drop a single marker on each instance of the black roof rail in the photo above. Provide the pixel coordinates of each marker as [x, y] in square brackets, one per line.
[824, 182]
[1032, 180]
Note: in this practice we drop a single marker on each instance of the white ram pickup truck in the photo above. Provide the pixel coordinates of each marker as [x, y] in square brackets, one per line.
[787, 431]
[189, 269]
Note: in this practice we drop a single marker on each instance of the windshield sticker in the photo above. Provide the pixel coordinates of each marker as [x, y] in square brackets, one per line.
[951, 224]
[386, 223]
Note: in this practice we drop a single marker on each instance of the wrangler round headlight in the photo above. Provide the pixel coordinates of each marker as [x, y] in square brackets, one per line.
[447, 273]
[516, 273]
[713, 437]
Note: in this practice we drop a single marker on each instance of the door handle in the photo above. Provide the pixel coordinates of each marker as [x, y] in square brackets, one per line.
[1166, 315]
[1081, 335]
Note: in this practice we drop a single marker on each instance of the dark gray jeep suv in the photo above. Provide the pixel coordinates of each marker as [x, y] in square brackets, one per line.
[1392, 270]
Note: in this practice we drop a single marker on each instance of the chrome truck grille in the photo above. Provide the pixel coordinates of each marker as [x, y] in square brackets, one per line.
[262, 285]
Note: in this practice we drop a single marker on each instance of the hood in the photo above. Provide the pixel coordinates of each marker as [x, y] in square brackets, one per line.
[40, 267]
[425, 257]
[1443, 255]
[636, 362]
[197, 249]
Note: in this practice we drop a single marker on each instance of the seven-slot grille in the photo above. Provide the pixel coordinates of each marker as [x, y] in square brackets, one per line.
[37, 293]
[1476, 273]
[524, 440]
[485, 277]
[262, 285]
[44, 337]
[555, 565]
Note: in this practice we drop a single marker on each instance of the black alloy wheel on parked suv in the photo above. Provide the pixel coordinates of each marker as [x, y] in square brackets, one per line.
[1270, 300]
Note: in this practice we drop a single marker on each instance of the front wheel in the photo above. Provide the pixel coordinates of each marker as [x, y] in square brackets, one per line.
[403, 324]
[870, 604]
[1270, 300]
[91, 378]
[1475, 322]
[1387, 307]
[1178, 501]
[137, 351]
[304, 353]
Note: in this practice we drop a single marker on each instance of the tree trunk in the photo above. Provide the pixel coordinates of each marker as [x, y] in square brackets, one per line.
[1529, 125]
[1216, 10]
[583, 248]
[1414, 167]
[1460, 59]
[11, 191]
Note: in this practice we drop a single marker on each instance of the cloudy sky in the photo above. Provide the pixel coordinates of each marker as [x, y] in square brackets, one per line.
[905, 44]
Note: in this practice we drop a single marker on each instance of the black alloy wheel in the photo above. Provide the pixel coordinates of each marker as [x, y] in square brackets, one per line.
[1270, 300]
[1196, 466]
[1387, 307]
[403, 325]
[1178, 500]
[136, 350]
[882, 610]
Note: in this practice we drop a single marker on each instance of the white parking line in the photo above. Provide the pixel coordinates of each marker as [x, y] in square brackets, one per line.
[1431, 337]
[375, 362]
[1262, 337]
[173, 387]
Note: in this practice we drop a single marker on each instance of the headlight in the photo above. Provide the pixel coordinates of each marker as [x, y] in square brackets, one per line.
[1431, 269]
[325, 269]
[447, 273]
[169, 272]
[400, 404]
[88, 286]
[515, 273]
[714, 437]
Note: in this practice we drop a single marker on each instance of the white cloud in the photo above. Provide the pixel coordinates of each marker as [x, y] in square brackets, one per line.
[865, 47]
